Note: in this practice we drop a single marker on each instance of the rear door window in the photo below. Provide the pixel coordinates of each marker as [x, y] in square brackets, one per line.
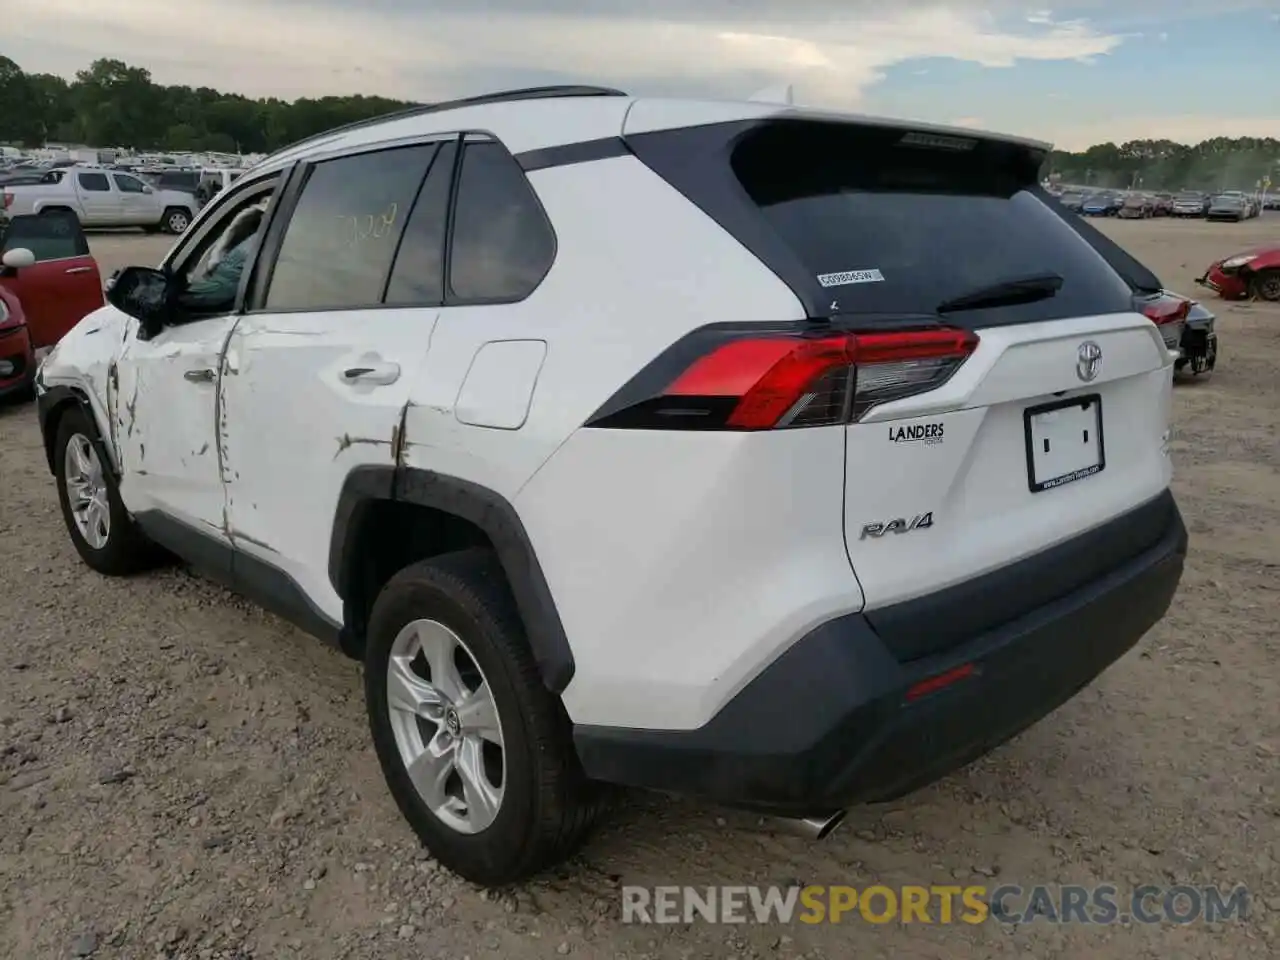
[94, 182]
[342, 236]
[888, 228]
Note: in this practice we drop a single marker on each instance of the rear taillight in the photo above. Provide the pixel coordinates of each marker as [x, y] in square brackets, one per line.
[775, 381]
[8, 200]
[1165, 308]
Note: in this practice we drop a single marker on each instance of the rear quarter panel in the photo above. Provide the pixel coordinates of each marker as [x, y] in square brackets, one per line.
[637, 266]
[680, 563]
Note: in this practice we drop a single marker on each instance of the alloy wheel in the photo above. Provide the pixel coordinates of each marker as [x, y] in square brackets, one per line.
[446, 726]
[87, 491]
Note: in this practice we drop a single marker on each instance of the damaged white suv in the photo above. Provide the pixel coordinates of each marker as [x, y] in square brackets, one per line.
[782, 458]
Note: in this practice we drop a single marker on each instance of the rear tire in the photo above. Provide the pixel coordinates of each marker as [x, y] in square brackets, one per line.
[101, 529]
[175, 220]
[535, 806]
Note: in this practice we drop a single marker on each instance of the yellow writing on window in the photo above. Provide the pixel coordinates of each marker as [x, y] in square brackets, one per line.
[355, 230]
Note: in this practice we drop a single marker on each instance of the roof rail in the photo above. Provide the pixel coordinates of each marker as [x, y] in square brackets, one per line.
[503, 96]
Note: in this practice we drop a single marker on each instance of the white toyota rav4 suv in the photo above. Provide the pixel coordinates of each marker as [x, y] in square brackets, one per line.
[783, 458]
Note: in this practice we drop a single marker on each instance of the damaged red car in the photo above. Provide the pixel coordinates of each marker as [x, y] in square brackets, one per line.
[1253, 273]
[48, 282]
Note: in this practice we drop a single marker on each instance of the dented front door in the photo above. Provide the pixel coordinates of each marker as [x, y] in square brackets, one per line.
[307, 398]
[162, 402]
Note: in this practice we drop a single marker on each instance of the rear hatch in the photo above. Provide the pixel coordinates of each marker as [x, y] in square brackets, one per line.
[1004, 393]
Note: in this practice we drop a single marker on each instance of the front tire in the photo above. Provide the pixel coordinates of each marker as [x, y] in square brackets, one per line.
[477, 753]
[101, 529]
[1265, 285]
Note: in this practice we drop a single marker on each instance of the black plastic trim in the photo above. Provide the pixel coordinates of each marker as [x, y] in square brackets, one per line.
[985, 603]
[54, 397]
[829, 723]
[491, 513]
[254, 578]
[584, 151]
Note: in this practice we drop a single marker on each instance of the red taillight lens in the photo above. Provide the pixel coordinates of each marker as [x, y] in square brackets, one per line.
[795, 380]
[8, 200]
[1166, 309]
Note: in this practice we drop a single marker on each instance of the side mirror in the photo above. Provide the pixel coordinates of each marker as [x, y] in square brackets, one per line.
[144, 294]
[18, 258]
[146, 189]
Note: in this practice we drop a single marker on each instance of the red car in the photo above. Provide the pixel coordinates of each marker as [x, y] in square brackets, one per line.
[48, 282]
[1253, 273]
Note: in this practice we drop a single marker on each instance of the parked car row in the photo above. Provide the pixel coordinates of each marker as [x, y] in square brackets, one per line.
[1134, 204]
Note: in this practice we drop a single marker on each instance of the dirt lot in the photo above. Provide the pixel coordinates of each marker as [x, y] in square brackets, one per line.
[183, 776]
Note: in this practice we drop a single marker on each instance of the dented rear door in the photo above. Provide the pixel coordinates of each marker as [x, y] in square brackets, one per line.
[308, 399]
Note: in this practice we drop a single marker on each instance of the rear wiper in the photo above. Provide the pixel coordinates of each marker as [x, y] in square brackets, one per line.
[1006, 293]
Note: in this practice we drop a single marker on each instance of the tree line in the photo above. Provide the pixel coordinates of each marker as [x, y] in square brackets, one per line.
[113, 104]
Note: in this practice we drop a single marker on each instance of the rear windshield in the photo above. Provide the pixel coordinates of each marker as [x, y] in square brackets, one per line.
[886, 228]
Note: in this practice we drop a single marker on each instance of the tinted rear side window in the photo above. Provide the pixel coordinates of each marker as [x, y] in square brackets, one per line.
[502, 244]
[890, 229]
[94, 182]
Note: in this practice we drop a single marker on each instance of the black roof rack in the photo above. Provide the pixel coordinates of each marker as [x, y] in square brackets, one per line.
[502, 96]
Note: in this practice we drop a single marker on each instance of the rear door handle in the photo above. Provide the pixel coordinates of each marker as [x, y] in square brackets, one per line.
[204, 375]
[80, 270]
[378, 374]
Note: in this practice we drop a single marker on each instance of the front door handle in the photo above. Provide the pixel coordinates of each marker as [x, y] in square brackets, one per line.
[80, 270]
[379, 374]
[204, 375]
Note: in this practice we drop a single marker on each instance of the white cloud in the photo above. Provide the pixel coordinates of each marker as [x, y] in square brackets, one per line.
[262, 49]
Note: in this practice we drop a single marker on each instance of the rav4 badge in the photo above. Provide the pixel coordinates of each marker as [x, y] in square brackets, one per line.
[900, 525]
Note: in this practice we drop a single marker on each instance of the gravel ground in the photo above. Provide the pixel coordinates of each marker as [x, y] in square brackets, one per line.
[184, 776]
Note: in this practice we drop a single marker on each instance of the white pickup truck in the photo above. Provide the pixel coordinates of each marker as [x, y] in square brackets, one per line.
[104, 198]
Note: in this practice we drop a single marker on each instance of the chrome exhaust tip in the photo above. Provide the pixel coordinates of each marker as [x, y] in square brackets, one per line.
[810, 828]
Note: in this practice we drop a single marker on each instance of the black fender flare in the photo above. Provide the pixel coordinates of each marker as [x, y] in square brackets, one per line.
[489, 511]
[51, 399]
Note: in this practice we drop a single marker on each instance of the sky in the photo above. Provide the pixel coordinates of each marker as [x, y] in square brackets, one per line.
[1098, 70]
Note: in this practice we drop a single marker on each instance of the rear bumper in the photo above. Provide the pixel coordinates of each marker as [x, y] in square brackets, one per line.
[830, 723]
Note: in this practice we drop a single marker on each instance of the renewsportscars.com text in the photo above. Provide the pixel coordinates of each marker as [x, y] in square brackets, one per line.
[935, 904]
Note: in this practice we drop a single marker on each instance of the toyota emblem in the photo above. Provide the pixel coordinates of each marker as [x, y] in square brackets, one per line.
[1088, 361]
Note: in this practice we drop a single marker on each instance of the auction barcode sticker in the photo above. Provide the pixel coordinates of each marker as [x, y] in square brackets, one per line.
[850, 276]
